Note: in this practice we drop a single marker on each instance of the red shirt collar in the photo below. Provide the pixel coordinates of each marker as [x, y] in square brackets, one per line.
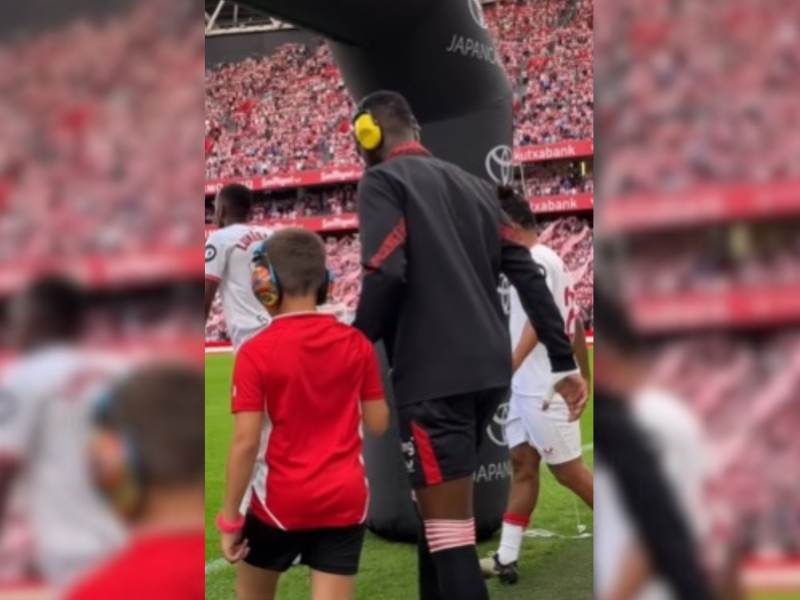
[409, 149]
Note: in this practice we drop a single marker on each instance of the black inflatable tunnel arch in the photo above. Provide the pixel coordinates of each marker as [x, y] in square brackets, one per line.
[439, 55]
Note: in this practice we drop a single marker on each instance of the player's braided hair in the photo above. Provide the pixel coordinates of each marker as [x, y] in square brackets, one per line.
[516, 207]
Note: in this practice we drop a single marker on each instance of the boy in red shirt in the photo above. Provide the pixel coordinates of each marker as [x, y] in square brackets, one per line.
[301, 389]
[148, 457]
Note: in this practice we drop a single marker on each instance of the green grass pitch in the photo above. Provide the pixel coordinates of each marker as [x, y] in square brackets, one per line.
[551, 569]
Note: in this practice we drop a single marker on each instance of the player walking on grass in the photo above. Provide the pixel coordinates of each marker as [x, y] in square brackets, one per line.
[229, 254]
[434, 243]
[301, 390]
[538, 427]
[148, 458]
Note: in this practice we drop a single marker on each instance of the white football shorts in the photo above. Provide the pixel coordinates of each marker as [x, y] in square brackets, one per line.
[556, 439]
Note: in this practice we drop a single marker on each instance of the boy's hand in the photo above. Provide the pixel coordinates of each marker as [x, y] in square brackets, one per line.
[234, 548]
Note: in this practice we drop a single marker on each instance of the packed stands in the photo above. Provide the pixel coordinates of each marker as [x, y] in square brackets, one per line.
[96, 167]
[96, 175]
[284, 112]
[310, 203]
[738, 256]
[547, 51]
[73, 165]
[736, 131]
[558, 178]
[290, 111]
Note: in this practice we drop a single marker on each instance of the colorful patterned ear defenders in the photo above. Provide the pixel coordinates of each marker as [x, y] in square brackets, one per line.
[267, 286]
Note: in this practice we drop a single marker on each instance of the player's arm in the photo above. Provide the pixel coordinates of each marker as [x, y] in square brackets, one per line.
[211, 292]
[19, 415]
[537, 300]
[633, 576]
[374, 409]
[215, 269]
[383, 255]
[581, 349]
[527, 342]
[248, 410]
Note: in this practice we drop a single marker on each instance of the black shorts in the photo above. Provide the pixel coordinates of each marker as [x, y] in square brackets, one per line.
[333, 551]
[441, 438]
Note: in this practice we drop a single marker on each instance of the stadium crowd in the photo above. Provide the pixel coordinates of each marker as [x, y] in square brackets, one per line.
[738, 256]
[558, 178]
[81, 111]
[572, 238]
[702, 95]
[547, 51]
[290, 111]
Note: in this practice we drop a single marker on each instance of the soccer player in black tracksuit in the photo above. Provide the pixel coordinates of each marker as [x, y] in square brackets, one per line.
[434, 243]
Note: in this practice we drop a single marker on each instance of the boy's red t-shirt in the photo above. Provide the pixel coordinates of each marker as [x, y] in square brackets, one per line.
[157, 566]
[309, 374]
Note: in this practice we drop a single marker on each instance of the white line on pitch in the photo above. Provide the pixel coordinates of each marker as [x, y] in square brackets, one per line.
[215, 565]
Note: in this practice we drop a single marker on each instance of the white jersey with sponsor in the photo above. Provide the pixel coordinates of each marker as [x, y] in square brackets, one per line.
[678, 440]
[229, 258]
[535, 374]
[47, 405]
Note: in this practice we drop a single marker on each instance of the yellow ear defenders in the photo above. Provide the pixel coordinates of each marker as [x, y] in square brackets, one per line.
[267, 286]
[367, 130]
[114, 464]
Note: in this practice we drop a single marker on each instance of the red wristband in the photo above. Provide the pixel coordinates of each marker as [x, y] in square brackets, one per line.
[226, 527]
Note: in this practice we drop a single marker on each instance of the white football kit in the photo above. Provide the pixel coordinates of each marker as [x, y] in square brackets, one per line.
[47, 404]
[679, 442]
[549, 431]
[229, 258]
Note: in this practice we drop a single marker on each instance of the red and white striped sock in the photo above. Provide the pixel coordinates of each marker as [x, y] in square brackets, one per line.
[514, 527]
[446, 535]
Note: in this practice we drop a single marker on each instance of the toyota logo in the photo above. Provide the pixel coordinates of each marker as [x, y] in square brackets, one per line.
[499, 164]
[476, 10]
[497, 428]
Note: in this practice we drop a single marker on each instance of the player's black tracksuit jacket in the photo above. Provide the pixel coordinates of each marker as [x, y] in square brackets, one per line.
[434, 243]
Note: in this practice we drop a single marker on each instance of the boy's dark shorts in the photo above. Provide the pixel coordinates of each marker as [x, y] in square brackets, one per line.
[441, 438]
[332, 551]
